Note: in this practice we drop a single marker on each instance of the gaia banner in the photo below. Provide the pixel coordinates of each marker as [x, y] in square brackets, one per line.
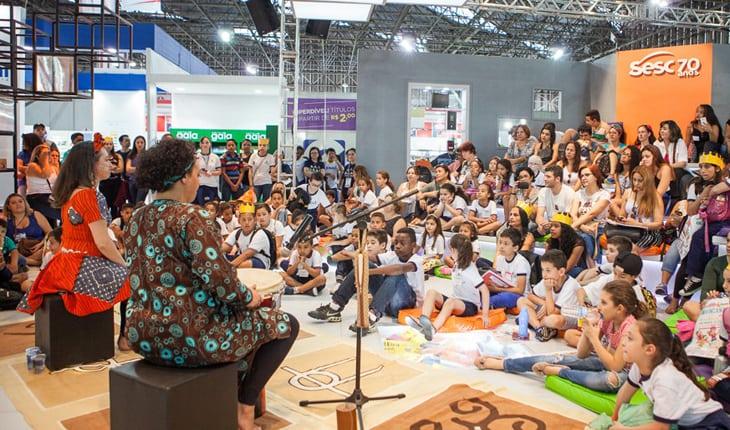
[217, 135]
[325, 114]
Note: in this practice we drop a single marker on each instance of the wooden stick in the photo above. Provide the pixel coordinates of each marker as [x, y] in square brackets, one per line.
[346, 417]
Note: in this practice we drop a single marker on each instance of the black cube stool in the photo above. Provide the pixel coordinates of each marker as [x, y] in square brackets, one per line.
[67, 339]
[144, 396]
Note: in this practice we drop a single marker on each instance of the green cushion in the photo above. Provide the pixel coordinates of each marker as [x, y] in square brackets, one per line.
[673, 319]
[438, 274]
[594, 401]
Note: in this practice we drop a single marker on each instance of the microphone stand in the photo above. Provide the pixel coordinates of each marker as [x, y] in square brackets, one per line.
[362, 269]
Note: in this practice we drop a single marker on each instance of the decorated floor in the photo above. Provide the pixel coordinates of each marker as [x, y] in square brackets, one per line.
[320, 366]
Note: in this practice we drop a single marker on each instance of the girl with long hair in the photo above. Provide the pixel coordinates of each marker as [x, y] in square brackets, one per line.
[564, 238]
[383, 184]
[39, 178]
[571, 163]
[641, 207]
[661, 171]
[630, 159]
[663, 371]
[411, 184]
[546, 148]
[136, 194]
[706, 132]
[600, 363]
[519, 219]
[590, 208]
[26, 227]
[644, 136]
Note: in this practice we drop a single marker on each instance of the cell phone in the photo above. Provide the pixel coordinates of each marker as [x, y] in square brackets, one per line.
[703, 120]
[523, 185]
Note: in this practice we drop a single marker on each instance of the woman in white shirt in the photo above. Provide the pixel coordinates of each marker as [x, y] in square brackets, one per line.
[210, 172]
[38, 176]
[590, 208]
[411, 184]
[674, 151]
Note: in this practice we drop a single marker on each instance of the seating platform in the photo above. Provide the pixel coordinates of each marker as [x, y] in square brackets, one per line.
[67, 339]
[145, 396]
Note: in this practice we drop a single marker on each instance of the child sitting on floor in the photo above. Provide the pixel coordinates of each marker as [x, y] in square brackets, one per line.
[433, 243]
[556, 291]
[599, 364]
[465, 302]
[303, 271]
[226, 219]
[265, 221]
[52, 246]
[279, 211]
[483, 211]
[254, 247]
[511, 267]
[614, 246]
[663, 371]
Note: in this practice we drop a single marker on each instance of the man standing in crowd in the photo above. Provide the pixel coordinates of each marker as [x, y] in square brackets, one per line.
[555, 197]
[246, 153]
[40, 131]
[598, 128]
[348, 174]
[76, 138]
[262, 163]
[299, 165]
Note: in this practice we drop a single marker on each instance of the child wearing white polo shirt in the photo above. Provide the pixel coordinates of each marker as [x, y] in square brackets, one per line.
[663, 371]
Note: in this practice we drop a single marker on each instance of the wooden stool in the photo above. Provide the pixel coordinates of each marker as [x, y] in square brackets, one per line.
[144, 396]
[67, 339]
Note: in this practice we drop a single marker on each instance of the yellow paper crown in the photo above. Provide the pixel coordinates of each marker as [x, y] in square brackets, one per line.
[263, 141]
[525, 207]
[562, 217]
[712, 158]
[248, 201]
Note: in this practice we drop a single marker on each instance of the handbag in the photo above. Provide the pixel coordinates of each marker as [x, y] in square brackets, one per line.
[634, 234]
[717, 209]
[25, 246]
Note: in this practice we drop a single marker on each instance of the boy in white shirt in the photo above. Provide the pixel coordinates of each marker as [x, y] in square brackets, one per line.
[264, 220]
[303, 271]
[397, 283]
[615, 246]
[511, 266]
[252, 244]
[557, 290]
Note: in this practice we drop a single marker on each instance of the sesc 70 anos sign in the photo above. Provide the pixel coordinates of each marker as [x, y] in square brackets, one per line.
[665, 63]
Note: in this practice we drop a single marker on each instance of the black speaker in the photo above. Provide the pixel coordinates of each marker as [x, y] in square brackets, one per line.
[264, 16]
[451, 120]
[318, 28]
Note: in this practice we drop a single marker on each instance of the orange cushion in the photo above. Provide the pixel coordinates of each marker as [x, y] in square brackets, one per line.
[648, 252]
[456, 324]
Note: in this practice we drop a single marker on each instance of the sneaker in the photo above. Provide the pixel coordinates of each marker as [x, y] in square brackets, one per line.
[413, 323]
[544, 334]
[289, 291]
[668, 299]
[693, 284]
[314, 292]
[373, 323]
[660, 290]
[427, 327]
[326, 313]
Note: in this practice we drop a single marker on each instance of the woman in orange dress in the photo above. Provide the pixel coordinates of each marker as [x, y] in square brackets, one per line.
[88, 273]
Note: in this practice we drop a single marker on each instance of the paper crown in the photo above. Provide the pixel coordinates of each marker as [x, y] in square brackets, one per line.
[525, 207]
[248, 201]
[263, 141]
[562, 217]
[712, 158]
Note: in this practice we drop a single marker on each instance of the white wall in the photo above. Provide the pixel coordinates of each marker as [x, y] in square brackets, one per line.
[217, 111]
[119, 112]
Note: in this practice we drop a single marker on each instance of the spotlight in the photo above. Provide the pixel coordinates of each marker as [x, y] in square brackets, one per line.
[252, 69]
[345, 86]
[132, 64]
[225, 35]
[660, 3]
[558, 53]
[408, 43]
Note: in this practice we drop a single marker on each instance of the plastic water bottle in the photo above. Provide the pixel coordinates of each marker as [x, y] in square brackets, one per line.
[523, 319]
[721, 361]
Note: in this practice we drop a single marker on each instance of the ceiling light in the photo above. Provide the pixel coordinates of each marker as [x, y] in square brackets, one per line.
[408, 43]
[132, 64]
[225, 35]
[660, 3]
[345, 85]
[252, 69]
[111, 50]
[431, 2]
[332, 11]
[558, 53]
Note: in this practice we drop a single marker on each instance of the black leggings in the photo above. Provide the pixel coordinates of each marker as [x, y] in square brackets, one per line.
[265, 362]
[123, 318]
[680, 279]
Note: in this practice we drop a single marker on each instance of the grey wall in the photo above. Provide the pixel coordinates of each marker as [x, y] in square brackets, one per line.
[603, 90]
[70, 115]
[721, 82]
[498, 87]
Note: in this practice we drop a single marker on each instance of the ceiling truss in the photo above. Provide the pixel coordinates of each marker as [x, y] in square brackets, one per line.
[585, 29]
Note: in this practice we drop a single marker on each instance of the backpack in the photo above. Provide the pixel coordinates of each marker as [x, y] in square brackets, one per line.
[272, 244]
[650, 302]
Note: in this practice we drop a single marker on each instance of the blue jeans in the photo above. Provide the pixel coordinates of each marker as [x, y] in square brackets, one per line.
[206, 194]
[671, 258]
[262, 192]
[390, 293]
[699, 256]
[588, 372]
[591, 245]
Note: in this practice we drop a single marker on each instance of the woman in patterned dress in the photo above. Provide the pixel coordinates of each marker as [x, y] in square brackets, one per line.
[188, 308]
[86, 247]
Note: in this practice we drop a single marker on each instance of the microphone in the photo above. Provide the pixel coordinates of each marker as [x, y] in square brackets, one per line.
[299, 232]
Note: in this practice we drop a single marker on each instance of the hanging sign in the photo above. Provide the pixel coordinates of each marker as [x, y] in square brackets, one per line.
[665, 63]
[217, 135]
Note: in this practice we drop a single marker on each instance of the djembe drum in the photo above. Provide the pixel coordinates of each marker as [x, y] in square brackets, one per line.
[268, 284]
